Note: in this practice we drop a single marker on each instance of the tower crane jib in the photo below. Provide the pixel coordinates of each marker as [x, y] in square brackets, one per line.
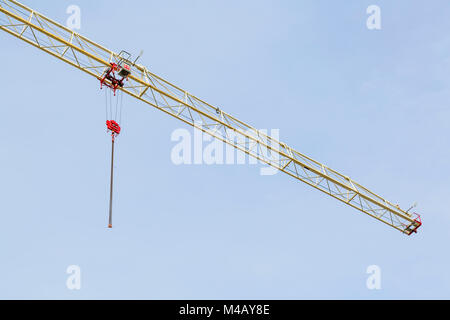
[92, 58]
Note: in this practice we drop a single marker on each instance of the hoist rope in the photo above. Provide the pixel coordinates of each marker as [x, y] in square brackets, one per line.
[117, 107]
[121, 107]
[113, 110]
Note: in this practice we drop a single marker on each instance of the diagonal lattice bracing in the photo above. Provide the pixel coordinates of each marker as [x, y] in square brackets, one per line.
[92, 58]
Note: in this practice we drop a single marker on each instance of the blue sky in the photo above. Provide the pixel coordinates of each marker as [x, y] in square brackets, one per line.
[372, 104]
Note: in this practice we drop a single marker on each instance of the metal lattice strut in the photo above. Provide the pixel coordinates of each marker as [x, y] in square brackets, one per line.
[92, 58]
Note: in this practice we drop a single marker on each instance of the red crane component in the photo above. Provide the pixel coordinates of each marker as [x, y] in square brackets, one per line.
[417, 223]
[114, 78]
[116, 81]
[412, 228]
[113, 127]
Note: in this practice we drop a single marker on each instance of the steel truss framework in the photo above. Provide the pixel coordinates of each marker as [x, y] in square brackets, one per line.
[92, 58]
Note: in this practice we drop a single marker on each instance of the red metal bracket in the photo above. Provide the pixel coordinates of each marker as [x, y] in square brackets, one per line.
[412, 228]
[110, 75]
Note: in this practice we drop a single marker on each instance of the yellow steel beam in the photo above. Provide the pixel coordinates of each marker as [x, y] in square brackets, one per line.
[92, 58]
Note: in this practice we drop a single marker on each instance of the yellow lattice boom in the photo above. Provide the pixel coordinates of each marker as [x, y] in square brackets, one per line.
[92, 58]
